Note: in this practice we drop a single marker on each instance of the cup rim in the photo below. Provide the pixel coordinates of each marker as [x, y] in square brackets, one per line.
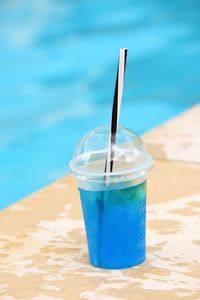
[80, 173]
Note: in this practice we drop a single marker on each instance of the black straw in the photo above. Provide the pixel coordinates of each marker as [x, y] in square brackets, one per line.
[114, 120]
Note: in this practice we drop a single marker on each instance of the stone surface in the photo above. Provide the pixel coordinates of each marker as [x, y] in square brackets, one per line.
[43, 252]
[177, 139]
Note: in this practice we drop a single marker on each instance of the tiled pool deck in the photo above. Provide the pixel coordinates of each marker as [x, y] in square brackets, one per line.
[43, 253]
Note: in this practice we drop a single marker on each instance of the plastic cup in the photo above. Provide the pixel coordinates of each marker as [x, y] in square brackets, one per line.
[114, 205]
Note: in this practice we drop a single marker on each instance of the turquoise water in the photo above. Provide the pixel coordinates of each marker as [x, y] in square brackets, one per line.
[115, 226]
[58, 64]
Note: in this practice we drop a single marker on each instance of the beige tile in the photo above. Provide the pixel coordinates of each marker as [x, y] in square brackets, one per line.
[43, 250]
[177, 139]
[43, 245]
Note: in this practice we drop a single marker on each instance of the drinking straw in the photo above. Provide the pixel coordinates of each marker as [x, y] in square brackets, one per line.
[116, 109]
[101, 201]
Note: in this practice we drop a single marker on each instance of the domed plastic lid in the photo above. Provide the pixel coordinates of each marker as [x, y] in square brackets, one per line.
[131, 158]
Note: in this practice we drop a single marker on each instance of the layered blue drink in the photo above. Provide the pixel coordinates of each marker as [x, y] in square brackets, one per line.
[113, 204]
[115, 226]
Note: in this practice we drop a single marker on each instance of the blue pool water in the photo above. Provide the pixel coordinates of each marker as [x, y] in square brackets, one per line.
[115, 226]
[58, 64]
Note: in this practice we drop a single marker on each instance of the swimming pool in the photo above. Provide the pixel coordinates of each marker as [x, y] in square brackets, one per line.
[58, 66]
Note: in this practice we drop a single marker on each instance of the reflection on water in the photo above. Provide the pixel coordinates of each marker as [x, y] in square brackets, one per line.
[58, 64]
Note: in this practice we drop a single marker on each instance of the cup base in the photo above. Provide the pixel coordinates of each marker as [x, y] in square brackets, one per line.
[120, 267]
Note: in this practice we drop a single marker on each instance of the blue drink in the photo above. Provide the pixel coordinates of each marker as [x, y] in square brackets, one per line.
[115, 225]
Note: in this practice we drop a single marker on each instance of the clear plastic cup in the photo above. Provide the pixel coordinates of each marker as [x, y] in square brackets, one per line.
[114, 204]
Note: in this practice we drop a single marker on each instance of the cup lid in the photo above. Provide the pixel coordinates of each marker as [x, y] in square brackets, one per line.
[131, 157]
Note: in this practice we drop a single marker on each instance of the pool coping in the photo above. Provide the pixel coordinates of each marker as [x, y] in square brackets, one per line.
[175, 147]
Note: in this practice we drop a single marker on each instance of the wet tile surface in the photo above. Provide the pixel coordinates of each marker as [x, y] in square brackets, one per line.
[43, 252]
[177, 139]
